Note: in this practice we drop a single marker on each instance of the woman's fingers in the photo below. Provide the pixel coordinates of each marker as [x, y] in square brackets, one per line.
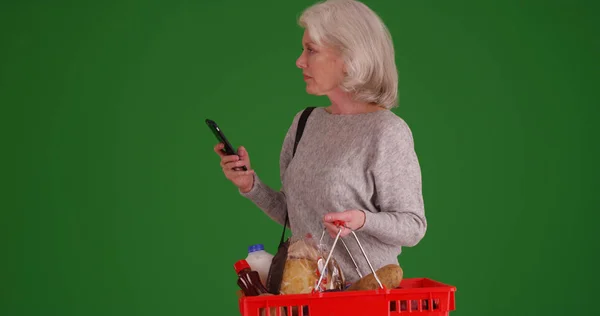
[218, 150]
[233, 164]
[333, 230]
[243, 153]
[232, 174]
[228, 159]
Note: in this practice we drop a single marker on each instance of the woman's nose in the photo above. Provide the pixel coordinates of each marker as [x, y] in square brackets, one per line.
[301, 61]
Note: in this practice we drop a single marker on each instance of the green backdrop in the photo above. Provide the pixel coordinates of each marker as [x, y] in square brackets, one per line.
[113, 202]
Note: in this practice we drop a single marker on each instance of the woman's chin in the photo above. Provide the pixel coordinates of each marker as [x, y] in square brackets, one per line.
[312, 91]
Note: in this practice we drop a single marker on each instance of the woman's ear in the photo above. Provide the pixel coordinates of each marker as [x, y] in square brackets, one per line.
[344, 68]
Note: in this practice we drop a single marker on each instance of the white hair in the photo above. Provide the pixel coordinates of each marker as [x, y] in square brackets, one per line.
[365, 44]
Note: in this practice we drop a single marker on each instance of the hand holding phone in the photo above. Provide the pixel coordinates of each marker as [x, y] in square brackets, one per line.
[228, 148]
[236, 165]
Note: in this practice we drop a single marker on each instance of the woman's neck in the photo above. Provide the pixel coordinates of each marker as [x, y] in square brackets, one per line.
[342, 103]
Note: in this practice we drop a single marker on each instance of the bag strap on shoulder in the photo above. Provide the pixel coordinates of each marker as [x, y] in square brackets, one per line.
[300, 128]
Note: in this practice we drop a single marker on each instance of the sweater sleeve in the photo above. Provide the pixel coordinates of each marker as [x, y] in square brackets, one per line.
[270, 201]
[396, 175]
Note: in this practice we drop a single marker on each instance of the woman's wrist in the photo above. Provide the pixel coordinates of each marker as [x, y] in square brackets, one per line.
[364, 219]
[247, 189]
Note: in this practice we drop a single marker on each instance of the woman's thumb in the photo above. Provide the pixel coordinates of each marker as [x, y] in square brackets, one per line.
[243, 153]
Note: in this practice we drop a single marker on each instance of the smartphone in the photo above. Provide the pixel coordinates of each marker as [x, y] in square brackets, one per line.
[229, 150]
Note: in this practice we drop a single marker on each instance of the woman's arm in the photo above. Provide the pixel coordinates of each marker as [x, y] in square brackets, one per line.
[398, 191]
[272, 202]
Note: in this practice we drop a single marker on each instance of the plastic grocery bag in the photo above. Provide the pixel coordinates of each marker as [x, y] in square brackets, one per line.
[304, 265]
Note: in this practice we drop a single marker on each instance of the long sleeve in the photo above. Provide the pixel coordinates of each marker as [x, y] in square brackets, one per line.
[270, 201]
[396, 175]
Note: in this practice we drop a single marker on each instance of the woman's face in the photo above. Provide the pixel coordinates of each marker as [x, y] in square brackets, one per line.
[322, 67]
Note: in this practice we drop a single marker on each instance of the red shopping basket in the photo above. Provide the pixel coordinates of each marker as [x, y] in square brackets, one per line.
[417, 296]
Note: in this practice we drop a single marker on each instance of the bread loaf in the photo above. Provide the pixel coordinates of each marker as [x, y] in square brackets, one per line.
[299, 276]
[389, 275]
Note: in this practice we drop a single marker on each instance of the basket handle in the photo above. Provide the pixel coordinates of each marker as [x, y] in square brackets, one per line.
[342, 225]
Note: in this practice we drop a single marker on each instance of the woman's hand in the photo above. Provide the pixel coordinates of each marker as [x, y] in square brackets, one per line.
[353, 219]
[244, 180]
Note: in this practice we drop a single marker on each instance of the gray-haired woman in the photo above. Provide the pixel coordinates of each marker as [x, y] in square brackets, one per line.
[356, 160]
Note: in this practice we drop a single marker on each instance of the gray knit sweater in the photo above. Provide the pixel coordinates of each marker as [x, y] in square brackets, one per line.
[350, 161]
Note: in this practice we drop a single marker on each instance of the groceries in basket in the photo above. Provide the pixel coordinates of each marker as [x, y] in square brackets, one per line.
[389, 275]
[304, 266]
[309, 266]
[259, 261]
[249, 280]
[308, 269]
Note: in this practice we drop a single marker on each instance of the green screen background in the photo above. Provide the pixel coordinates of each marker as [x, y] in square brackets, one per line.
[113, 202]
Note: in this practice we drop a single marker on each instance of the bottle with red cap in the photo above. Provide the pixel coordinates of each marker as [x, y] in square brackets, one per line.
[248, 280]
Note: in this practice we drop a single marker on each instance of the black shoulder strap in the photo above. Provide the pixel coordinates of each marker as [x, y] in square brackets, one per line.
[301, 125]
[299, 132]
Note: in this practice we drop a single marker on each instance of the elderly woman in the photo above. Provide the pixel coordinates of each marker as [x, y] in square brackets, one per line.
[356, 160]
